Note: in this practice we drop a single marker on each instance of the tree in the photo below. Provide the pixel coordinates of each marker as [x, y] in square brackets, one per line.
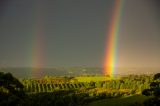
[154, 90]
[11, 92]
[156, 76]
[7, 81]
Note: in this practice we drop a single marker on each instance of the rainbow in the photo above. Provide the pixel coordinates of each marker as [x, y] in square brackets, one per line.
[112, 39]
[37, 52]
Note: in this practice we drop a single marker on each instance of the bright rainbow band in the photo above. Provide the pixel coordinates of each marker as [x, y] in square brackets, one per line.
[112, 39]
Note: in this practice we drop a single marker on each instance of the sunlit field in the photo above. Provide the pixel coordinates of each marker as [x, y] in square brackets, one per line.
[92, 78]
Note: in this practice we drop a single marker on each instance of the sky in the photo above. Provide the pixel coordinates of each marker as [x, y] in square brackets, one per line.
[66, 33]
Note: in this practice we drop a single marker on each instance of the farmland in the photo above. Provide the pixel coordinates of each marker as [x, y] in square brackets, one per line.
[77, 91]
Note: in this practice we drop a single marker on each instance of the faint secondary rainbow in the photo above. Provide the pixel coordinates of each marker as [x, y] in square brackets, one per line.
[37, 52]
[112, 38]
[37, 60]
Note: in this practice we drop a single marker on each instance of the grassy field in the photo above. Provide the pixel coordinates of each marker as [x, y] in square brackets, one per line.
[126, 101]
[92, 78]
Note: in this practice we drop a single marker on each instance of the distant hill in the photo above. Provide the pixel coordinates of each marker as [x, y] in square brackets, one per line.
[73, 71]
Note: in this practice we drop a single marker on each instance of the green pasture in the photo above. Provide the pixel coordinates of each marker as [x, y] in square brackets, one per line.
[92, 78]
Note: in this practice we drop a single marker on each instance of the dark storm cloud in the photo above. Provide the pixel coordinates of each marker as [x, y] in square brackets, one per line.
[75, 32]
[3, 5]
[157, 9]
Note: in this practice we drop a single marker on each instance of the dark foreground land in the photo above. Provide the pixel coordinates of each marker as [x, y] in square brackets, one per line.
[131, 90]
[122, 101]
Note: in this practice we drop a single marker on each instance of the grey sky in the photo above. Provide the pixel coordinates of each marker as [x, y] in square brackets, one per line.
[74, 32]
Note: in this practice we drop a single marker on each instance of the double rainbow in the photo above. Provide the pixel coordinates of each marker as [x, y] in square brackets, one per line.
[111, 45]
[112, 39]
